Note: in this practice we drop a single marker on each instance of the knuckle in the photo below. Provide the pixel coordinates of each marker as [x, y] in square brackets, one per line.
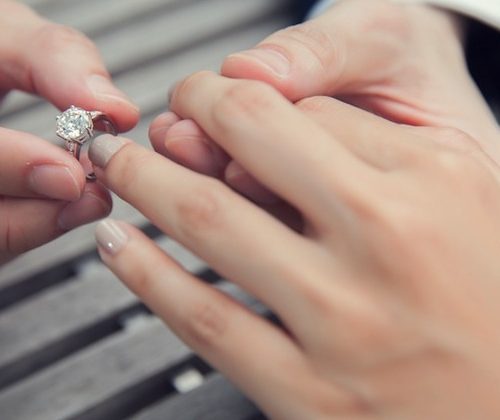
[455, 139]
[187, 86]
[200, 210]
[313, 104]
[453, 165]
[408, 235]
[403, 227]
[360, 320]
[323, 47]
[396, 222]
[205, 324]
[56, 37]
[127, 169]
[243, 99]
[360, 201]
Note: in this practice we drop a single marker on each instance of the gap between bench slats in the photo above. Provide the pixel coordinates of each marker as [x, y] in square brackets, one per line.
[51, 323]
[100, 373]
[216, 399]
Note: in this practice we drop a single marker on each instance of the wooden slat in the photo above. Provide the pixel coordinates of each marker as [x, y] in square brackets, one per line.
[216, 399]
[91, 16]
[144, 86]
[41, 324]
[96, 374]
[89, 377]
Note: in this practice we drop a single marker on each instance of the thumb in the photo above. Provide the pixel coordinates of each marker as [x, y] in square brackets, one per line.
[350, 48]
[316, 57]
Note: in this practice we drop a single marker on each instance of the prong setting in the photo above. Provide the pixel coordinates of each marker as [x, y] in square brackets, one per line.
[75, 125]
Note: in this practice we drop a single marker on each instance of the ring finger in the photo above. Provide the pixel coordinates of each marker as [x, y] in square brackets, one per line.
[220, 329]
[215, 223]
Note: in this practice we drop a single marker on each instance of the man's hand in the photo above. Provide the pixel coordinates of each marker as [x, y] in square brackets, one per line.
[402, 62]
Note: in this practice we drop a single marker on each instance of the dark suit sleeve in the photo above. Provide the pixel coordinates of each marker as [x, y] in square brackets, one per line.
[301, 8]
[483, 57]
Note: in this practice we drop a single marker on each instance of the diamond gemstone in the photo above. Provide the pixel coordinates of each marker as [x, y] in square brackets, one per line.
[74, 124]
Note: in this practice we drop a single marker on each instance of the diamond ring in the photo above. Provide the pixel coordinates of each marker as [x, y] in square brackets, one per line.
[76, 127]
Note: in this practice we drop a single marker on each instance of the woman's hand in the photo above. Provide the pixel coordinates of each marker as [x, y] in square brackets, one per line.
[42, 188]
[390, 297]
[404, 62]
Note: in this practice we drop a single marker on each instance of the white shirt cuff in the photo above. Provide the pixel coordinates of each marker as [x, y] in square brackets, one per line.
[487, 11]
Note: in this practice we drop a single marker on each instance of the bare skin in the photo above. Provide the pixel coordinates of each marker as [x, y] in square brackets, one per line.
[42, 188]
[389, 296]
[402, 62]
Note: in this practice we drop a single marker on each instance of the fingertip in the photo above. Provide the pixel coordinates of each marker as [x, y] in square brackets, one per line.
[188, 145]
[113, 101]
[243, 66]
[271, 60]
[254, 65]
[159, 128]
[94, 204]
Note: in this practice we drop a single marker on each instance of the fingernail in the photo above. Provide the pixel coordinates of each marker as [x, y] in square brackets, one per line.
[54, 181]
[110, 236]
[104, 147]
[270, 58]
[103, 89]
[88, 209]
[161, 125]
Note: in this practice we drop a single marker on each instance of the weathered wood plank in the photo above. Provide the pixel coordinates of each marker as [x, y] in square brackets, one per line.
[84, 380]
[44, 323]
[216, 399]
[96, 374]
[91, 16]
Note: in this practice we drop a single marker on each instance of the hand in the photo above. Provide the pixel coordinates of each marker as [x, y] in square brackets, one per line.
[389, 298]
[402, 62]
[42, 188]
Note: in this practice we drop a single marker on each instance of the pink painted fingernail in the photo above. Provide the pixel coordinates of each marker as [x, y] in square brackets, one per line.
[104, 147]
[54, 181]
[110, 237]
[268, 57]
[88, 209]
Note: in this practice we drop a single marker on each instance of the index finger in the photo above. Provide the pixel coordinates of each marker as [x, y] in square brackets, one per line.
[282, 148]
[212, 221]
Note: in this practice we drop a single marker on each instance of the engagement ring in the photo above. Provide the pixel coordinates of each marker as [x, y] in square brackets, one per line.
[76, 127]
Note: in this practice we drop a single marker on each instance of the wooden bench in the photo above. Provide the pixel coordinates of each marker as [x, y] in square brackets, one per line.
[74, 343]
